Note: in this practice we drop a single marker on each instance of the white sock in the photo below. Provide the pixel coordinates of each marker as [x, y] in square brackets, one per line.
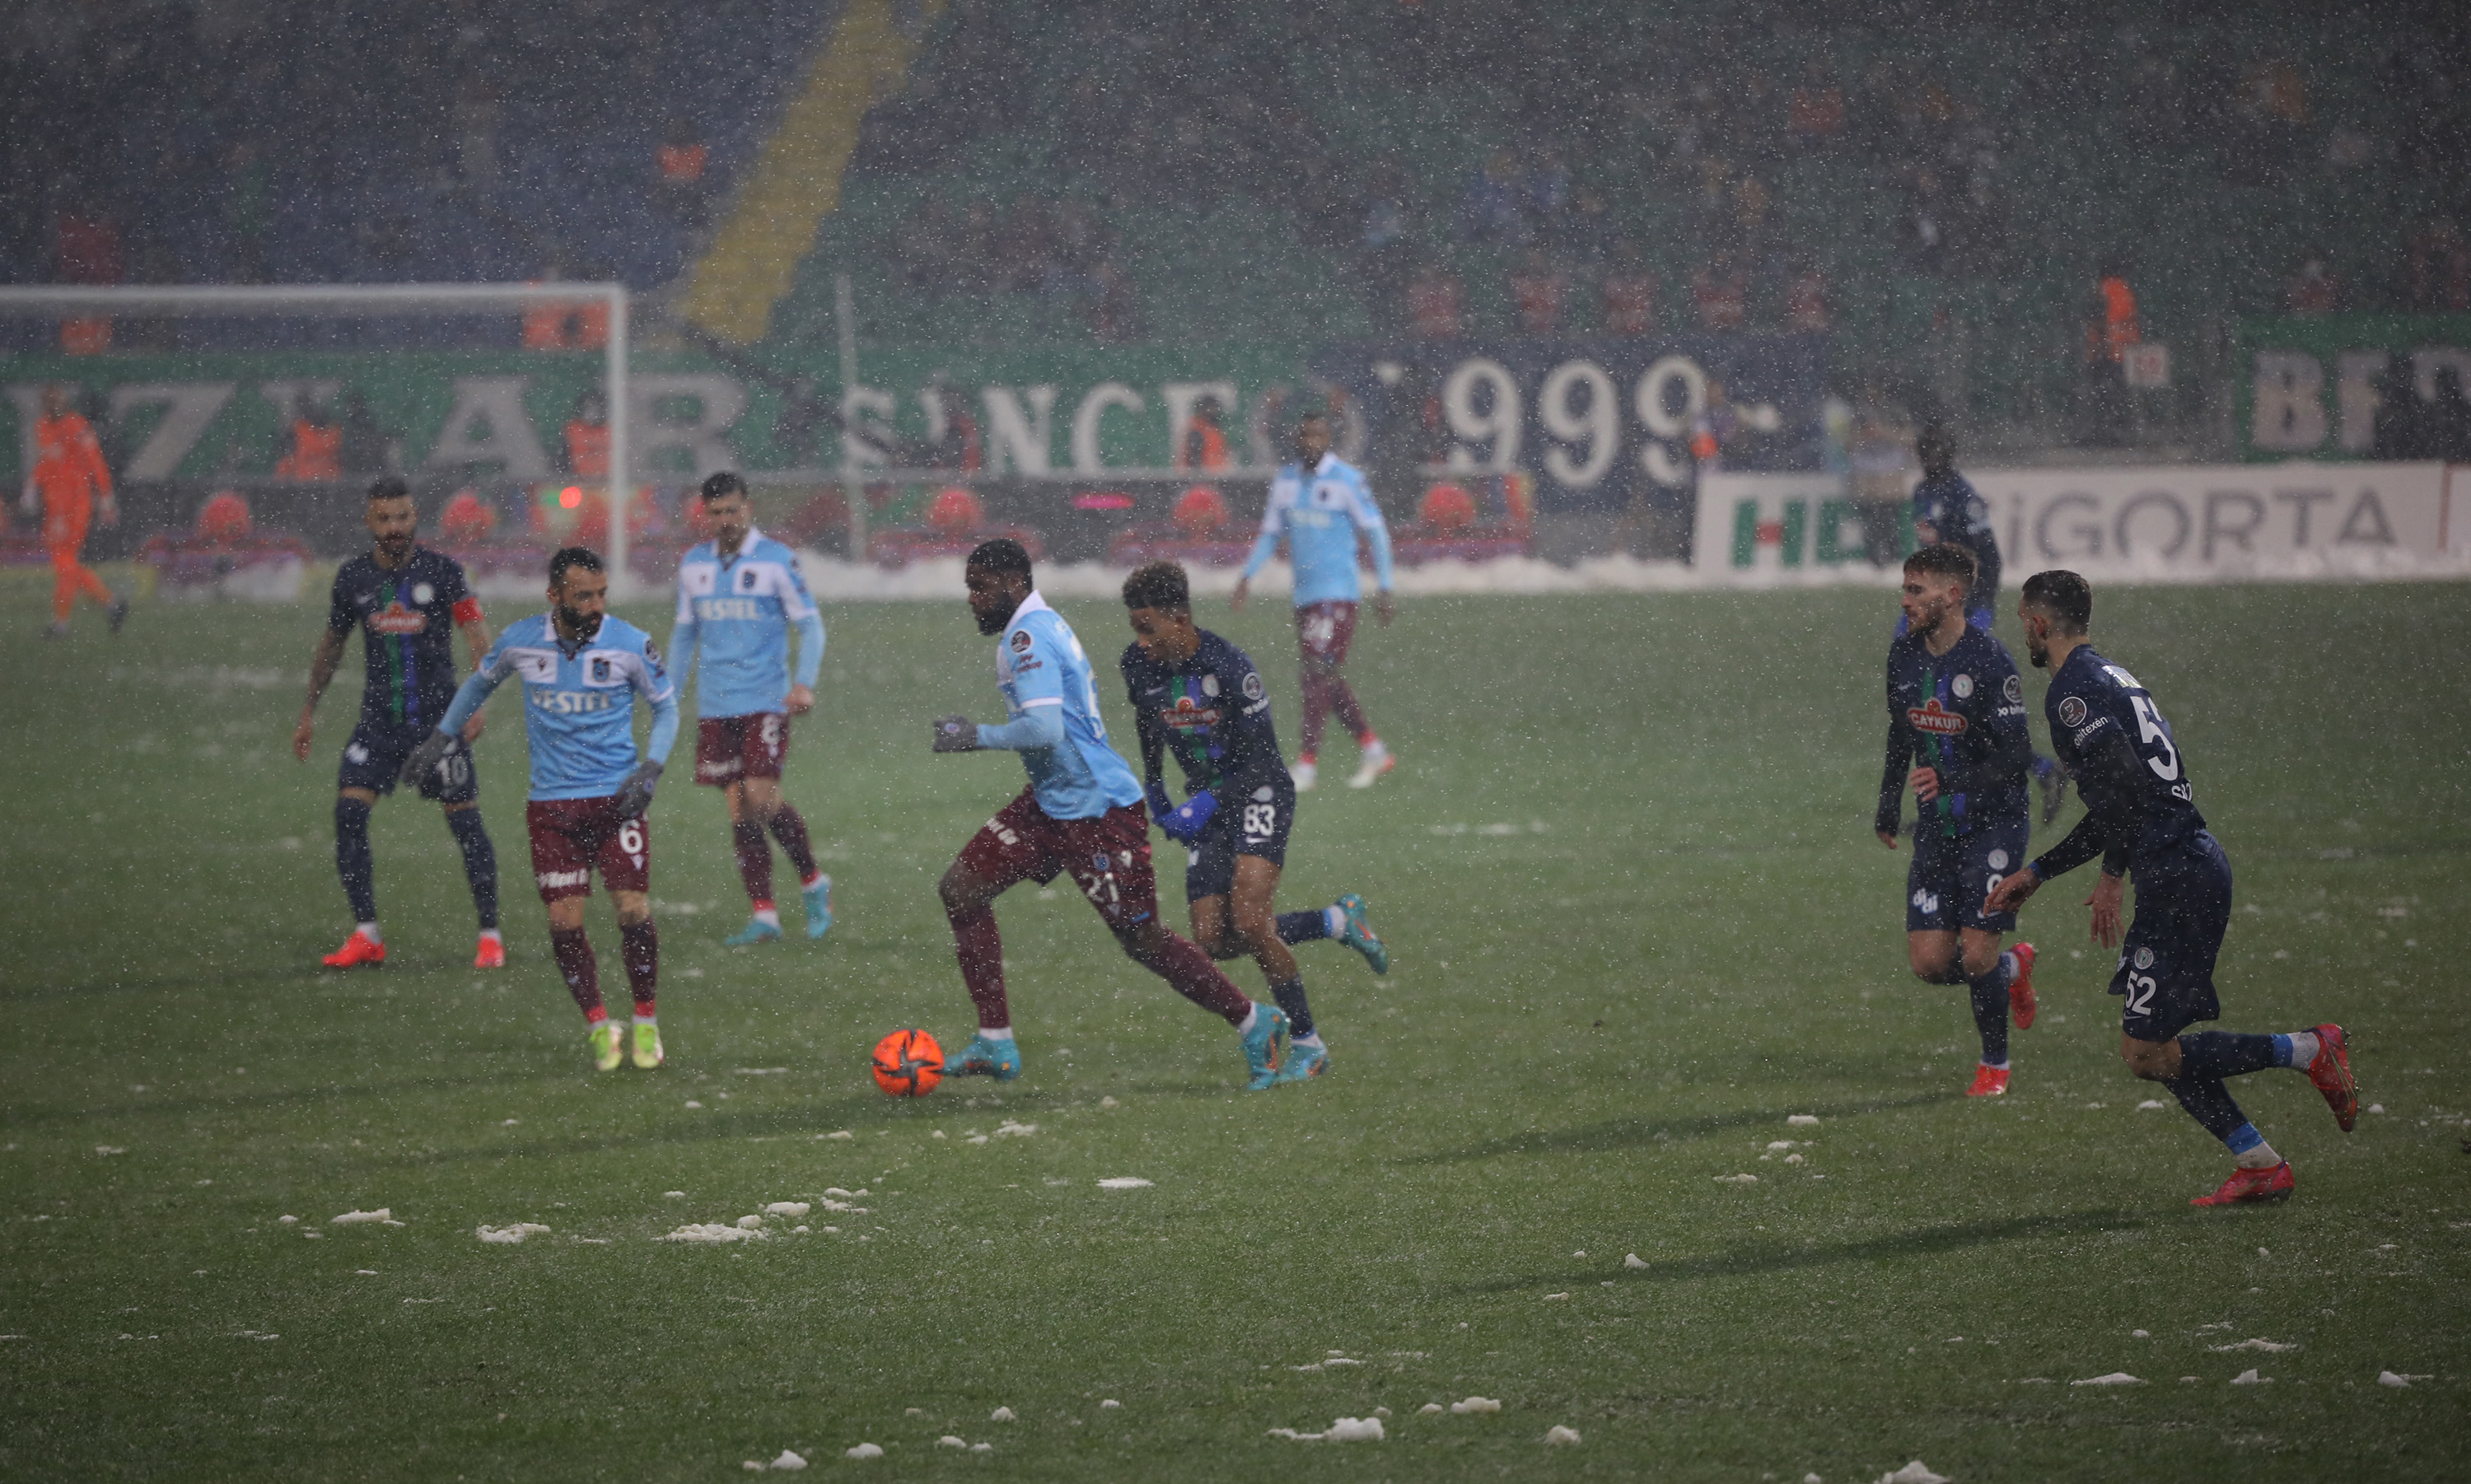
[2262, 1157]
[370, 931]
[1334, 918]
[2304, 1049]
[647, 1020]
[768, 916]
[1313, 1040]
[811, 881]
[999, 1033]
[491, 936]
[1996, 1066]
[1251, 1017]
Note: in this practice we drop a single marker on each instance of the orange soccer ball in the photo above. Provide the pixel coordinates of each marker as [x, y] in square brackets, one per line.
[909, 1064]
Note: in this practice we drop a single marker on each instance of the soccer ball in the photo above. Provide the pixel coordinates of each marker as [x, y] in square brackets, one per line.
[909, 1064]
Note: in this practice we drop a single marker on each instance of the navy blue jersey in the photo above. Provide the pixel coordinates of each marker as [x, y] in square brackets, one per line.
[2140, 807]
[1213, 712]
[1961, 714]
[1948, 505]
[407, 619]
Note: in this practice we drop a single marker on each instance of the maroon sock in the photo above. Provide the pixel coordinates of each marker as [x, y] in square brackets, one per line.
[1184, 966]
[790, 829]
[1342, 699]
[982, 953]
[573, 953]
[754, 860]
[639, 948]
[1316, 708]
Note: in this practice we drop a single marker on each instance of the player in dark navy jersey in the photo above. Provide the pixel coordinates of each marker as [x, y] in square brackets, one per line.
[2141, 818]
[1957, 735]
[409, 602]
[1198, 696]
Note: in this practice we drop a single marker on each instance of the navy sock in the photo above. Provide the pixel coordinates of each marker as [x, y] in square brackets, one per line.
[2223, 1053]
[1302, 927]
[2209, 1102]
[353, 861]
[479, 862]
[1291, 998]
[1989, 992]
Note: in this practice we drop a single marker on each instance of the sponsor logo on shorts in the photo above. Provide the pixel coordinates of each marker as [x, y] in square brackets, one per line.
[1962, 686]
[2012, 688]
[2072, 711]
[1935, 718]
[1927, 902]
[552, 880]
[397, 620]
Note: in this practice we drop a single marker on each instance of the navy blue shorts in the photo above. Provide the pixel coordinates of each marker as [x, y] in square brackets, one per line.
[1950, 879]
[374, 757]
[2166, 962]
[1245, 824]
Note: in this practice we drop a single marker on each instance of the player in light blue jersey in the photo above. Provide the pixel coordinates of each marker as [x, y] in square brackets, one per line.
[1321, 514]
[582, 672]
[740, 595]
[1082, 814]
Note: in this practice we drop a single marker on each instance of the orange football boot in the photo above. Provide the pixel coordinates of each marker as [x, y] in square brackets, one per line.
[2021, 1007]
[2247, 1186]
[1988, 1082]
[2331, 1072]
[359, 950]
[492, 953]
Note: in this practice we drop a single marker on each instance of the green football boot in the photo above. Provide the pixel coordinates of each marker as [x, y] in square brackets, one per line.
[1265, 1046]
[1357, 933]
[646, 1049]
[608, 1042]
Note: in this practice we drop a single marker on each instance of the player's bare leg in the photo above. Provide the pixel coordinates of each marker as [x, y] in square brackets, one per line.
[357, 867]
[1999, 984]
[1189, 972]
[1242, 925]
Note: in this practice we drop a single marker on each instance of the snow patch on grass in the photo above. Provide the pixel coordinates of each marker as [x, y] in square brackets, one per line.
[1008, 1129]
[1802, 1120]
[1634, 1260]
[509, 1236]
[1914, 1472]
[788, 1208]
[714, 1232]
[2268, 1346]
[863, 1450]
[1475, 1405]
[1001, 1414]
[1737, 1179]
[383, 1213]
[1345, 1429]
[2250, 1377]
[1559, 1436]
[2114, 1378]
[1125, 1183]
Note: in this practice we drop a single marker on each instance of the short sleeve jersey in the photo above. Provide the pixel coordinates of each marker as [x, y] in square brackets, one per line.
[1949, 504]
[2090, 697]
[407, 619]
[579, 701]
[743, 609]
[1213, 712]
[1039, 663]
[1319, 515]
[1957, 708]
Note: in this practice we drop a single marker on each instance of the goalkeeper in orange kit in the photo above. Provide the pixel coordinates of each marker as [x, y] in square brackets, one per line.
[70, 478]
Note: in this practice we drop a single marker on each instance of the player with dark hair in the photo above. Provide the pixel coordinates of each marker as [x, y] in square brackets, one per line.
[1321, 504]
[739, 596]
[1956, 735]
[1081, 813]
[408, 601]
[1198, 695]
[1948, 510]
[2141, 817]
[582, 672]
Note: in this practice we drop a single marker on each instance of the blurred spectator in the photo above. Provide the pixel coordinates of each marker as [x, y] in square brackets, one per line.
[1720, 293]
[365, 448]
[317, 443]
[1490, 209]
[1436, 303]
[467, 519]
[2400, 430]
[2314, 290]
[587, 437]
[1806, 298]
[1204, 440]
[2267, 113]
[1537, 286]
[2439, 269]
[678, 174]
[2110, 328]
[1816, 116]
[86, 246]
[1629, 293]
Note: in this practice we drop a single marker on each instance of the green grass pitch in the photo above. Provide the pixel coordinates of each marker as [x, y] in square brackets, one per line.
[1639, 919]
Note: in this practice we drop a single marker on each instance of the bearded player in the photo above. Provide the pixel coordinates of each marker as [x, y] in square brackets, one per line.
[739, 596]
[1957, 736]
[1198, 695]
[2141, 818]
[409, 602]
[1081, 814]
[582, 672]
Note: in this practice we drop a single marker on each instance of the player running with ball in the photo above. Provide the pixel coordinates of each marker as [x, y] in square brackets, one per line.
[1199, 696]
[2141, 817]
[582, 672]
[1081, 813]
[1956, 734]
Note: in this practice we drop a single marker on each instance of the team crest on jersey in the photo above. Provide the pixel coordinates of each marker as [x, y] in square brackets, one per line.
[1252, 686]
[1098, 862]
[397, 619]
[2012, 688]
[599, 670]
[1962, 686]
[746, 580]
[1999, 860]
[2072, 711]
[1210, 685]
[1935, 718]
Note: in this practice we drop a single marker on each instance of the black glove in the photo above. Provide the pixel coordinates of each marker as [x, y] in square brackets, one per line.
[432, 784]
[420, 769]
[635, 794]
[955, 734]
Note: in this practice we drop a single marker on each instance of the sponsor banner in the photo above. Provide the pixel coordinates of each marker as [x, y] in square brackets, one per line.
[2195, 523]
[1600, 424]
[2365, 387]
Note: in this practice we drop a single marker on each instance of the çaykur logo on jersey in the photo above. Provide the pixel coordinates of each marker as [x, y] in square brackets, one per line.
[397, 620]
[1935, 718]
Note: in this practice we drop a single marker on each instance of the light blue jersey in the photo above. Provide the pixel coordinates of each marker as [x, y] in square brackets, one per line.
[1053, 700]
[1320, 519]
[578, 703]
[734, 620]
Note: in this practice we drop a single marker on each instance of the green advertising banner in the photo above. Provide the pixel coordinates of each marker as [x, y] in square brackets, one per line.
[2369, 387]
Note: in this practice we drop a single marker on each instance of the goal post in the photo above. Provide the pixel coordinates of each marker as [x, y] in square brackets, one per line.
[371, 299]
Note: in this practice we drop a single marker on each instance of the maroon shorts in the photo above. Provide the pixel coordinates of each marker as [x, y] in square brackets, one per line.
[729, 748]
[572, 837]
[1324, 631]
[1108, 858]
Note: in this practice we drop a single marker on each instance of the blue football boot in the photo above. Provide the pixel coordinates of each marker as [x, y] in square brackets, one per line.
[1265, 1046]
[819, 905]
[1357, 933]
[1303, 1063]
[985, 1058]
[756, 931]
